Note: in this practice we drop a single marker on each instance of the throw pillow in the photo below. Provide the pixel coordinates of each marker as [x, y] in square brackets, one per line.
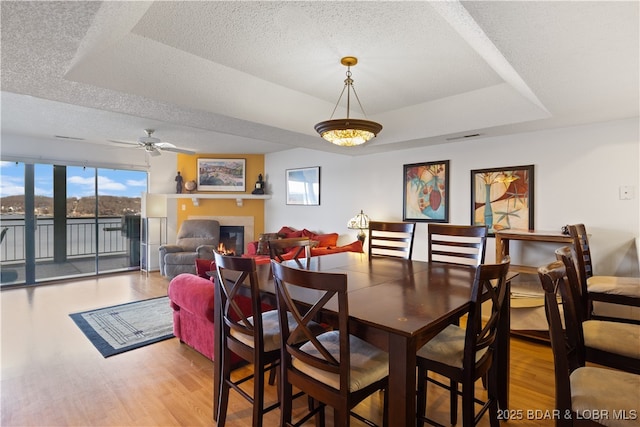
[326, 240]
[287, 232]
[204, 265]
[352, 247]
[263, 245]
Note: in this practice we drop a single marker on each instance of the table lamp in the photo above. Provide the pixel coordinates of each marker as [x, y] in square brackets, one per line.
[359, 222]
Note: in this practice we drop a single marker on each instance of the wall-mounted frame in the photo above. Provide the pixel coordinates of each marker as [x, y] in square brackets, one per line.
[502, 198]
[303, 186]
[221, 175]
[426, 192]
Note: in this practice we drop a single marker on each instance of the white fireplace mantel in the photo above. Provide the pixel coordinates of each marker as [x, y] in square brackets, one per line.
[240, 197]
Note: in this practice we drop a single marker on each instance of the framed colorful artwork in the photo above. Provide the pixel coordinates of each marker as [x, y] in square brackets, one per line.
[221, 175]
[426, 192]
[303, 186]
[502, 198]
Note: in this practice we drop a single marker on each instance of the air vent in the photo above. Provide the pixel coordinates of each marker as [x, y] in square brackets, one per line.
[68, 137]
[456, 138]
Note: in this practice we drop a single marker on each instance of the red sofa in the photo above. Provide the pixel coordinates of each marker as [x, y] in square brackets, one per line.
[192, 299]
[327, 244]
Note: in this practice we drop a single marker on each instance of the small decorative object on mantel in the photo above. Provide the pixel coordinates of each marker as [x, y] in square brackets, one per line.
[190, 186]
[259, 189]
[179, 180]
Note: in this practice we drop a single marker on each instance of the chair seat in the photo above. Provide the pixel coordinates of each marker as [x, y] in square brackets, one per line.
[605, 390]
[368, 363]
[614, 337]
[447, 347]
[271, 330]
[614, 285]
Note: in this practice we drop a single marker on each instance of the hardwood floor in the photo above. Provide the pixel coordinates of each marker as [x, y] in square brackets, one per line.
[53, 376]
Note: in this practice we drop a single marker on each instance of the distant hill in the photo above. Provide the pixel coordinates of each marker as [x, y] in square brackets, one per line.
[83, 206]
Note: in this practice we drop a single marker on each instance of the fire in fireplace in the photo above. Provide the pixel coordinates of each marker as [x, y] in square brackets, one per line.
[231, 240]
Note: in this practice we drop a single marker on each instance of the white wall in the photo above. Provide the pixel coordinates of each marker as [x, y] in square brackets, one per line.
[578, 172]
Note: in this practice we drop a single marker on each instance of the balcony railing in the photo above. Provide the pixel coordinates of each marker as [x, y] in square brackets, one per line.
[81, 238]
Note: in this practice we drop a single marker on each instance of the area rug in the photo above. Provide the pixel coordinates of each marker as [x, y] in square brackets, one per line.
[119, 328]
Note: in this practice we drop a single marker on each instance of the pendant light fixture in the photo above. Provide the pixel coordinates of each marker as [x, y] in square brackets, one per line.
[348, 132]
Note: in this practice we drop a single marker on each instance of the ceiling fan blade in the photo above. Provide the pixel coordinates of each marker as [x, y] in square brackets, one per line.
[175, 149]
[129, 143]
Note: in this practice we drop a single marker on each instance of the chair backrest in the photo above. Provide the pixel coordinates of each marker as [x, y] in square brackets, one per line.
[278, 247]
[481, 332]
[568, 350]
[583, 252]
[288, 281]
[578, 287]
[234, 273]
[196, 232]
[394, 239]
[457, 244]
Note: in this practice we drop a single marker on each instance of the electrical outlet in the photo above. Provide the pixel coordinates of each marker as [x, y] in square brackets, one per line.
[626, 192]
[184, 207]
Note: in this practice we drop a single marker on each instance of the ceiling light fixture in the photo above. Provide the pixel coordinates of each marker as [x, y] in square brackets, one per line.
[348, 132]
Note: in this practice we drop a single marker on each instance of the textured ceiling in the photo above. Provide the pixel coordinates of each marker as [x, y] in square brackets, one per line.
[254, 77]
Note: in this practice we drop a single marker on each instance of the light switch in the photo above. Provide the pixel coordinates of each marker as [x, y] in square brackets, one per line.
[626, 192]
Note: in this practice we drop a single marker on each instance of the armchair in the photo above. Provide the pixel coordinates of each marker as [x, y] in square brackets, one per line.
[197, 238]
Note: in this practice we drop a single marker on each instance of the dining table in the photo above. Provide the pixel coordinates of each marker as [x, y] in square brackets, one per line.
[397, 305]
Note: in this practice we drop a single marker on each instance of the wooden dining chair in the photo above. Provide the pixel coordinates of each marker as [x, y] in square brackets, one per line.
[255, 338]
[612, 344]
[335, 368]
[465, 354]
[290, 248]
[392, 239]
[610, 289]
[457, 244]
[582, 392]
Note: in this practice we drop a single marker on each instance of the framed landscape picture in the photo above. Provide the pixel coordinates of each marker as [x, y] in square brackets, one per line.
[502, 198]
[303, 186]
[221, 174]
[426, 192]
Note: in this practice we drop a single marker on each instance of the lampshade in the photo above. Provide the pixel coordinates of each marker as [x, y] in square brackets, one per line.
[153, 205]
[359, 222]
[348, 132]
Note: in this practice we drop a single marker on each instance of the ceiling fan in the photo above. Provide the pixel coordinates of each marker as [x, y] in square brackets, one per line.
[154, 146]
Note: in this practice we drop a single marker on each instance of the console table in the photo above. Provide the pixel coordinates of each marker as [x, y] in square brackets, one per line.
[527, 298]
[505, 236]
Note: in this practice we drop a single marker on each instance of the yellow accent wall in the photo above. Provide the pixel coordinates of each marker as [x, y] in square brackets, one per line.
[187, 165]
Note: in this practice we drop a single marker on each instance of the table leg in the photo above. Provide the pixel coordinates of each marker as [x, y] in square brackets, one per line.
[402, 381]
[217, 350]
[503, 350]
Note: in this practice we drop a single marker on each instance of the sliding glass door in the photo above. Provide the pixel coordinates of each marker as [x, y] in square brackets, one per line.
[66, 221]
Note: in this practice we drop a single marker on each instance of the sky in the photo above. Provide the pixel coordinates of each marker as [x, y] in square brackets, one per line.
[80, 181]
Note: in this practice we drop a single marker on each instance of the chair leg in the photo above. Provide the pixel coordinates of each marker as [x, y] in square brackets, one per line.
[385, 408]
[340, 418]
[421, 403]
[258, 395]
[453, 404]
[468, 408]
[286, 404]
[223, 399]
[272, 376]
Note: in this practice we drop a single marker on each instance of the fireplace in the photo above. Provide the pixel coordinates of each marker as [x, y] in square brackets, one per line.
[246, 222]
[232, 237]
